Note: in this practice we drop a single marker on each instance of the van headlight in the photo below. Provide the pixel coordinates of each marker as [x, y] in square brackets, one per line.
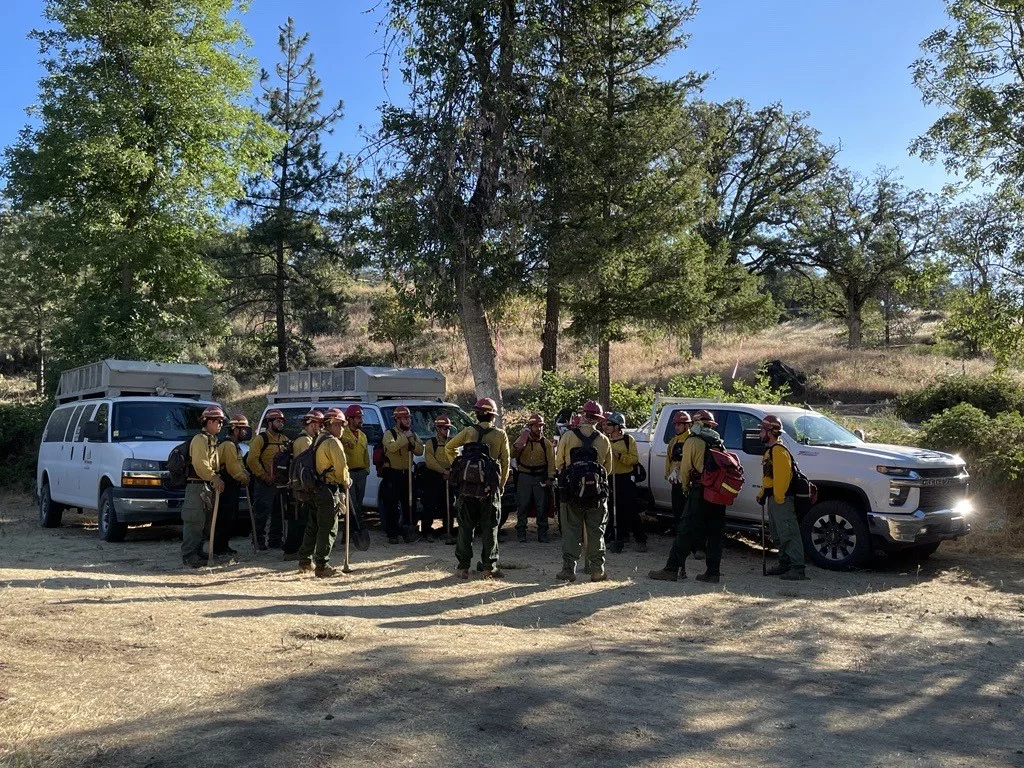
[142, 473]
[141, 465]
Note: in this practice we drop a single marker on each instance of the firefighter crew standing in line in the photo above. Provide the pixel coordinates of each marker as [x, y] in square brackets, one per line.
[437, 463]
[777, 471]
[203, 482]
[483, 512]
[330, 501]
[232, 472]
[357, 452]
[535, 462]
[701, 519]
[592, 515]
[400, 445]
[625, 457]
[312, 423]
[682, 422]
[263, 449]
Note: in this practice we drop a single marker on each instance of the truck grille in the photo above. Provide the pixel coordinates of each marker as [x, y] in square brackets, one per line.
[939, 472]
[941, 497]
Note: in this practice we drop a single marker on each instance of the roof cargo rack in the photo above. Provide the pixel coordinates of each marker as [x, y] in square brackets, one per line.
[360, 383]
[123, 378]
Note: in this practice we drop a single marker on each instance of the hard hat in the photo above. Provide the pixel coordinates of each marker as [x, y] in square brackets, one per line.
[682, 417]
[213, 412]
[354, 411]
[313, 415]
[593, 409]
[238, 421]
[617, 419]
[707, 417]
[443, 421]
[273, 414]
[535, 420]
[771, 423]
[485, 405]
[401, 411]
[335, 414]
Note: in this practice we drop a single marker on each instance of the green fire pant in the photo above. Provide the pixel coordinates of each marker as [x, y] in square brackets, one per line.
[322, 526]
[575, 519]
[786, 532]
[482, 514]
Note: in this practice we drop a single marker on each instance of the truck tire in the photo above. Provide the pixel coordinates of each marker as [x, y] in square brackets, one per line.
[836, 535]
[50, 512]
[110, 529]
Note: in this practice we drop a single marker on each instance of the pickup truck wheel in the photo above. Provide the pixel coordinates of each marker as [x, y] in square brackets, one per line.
[110, 529]
[50, 512]
[836, 536]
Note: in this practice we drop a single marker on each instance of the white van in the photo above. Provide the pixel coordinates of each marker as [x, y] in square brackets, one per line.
[105, 445]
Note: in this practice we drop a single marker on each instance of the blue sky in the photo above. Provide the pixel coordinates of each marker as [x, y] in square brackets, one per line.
[844, 61]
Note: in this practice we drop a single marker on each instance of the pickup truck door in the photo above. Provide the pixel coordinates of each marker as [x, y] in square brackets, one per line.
[731, 425]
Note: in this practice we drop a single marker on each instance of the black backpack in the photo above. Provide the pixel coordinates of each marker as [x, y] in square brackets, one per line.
[283, 457]
[179, 466]
[474, 472]
[586, 477]
[303, 479]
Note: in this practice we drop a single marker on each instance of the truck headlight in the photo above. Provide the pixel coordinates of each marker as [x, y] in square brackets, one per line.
[963, 507]
[897, 471]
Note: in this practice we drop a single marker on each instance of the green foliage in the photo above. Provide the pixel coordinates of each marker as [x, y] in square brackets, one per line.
[703, 386]
[559, 392]
[991, 394]
[761, 391]
[992, 446]
[21, 426]
[634, 401]
[886, 428]
[394, 320]
[225, 387]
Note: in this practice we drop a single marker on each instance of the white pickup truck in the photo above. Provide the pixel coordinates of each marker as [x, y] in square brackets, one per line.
[871, 497]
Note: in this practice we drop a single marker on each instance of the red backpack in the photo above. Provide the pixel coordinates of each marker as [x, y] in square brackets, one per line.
[722, 477]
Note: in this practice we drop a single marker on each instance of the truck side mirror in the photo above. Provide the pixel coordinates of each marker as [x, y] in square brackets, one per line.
[94, 432]
[752, 442]
[860, 433]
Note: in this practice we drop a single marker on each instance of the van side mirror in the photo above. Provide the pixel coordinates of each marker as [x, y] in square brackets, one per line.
[94, 432]
[752, 442]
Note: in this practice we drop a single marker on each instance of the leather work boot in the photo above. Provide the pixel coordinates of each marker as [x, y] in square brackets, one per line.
[616, 547]
[641, 546]
[543, 537]
[566, 574]
[521, 537]
[777, 570]
[495, 573]
[664, 575]
[290, 556]
[699, 554]
[710, 578]
[193, 561]
[599, 576]
[462, 573]
[305, 566]
[795, 575]
[326, 572]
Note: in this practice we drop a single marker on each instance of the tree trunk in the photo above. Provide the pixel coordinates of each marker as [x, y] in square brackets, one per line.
[41, 362]
[483, 357]
[604, 373]
[282, 330]
[697, 342]
[854, 323]
[549, 336]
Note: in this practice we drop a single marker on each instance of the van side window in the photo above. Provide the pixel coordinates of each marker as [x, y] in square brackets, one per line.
[57, 425]
[102, 417]
[69, 433]
[372, 427]
[83, 417]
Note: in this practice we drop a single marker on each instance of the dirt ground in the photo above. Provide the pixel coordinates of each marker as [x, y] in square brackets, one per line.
[112, 655]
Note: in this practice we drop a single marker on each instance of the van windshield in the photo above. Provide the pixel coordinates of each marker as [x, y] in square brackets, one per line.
[423, 417]
[173, 422]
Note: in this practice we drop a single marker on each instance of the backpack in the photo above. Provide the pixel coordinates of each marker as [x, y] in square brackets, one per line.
[586, 477]
[303, 479]
[803, 491]
[474, 472]
[279, 466]
[179, 466]
[379, 458]
[722, 477]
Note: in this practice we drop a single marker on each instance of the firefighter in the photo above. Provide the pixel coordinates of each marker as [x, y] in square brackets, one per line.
[777, 471]
[357, 452]
[625, 457]
[203, 481]
[400, 445]
[267, 498]
[682, 422]
[312, 424]
[481, 513]
[435, 482]
[701, 520]
[535, 465]
[330, 501]
[234, 475]
[581, 448]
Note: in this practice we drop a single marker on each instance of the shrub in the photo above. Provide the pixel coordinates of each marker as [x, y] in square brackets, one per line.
[225, 387]
[705, 387]
[634, 401]
[21, 426]
[993, 447]
[992, 394]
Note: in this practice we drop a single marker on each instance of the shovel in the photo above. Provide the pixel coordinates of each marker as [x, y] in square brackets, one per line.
[615, 520]
[409, 532]
[764, 552]
[213, 528]
[449, 538]
[346, 568]
[252, 520]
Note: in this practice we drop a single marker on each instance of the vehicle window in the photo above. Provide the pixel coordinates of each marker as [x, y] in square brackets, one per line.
[102, 418]
[57, 425]
[292, 421]
[732, 425]
[69, 433]
[156, 421]
[83, 419]
[670, 427]
[371, 426]
[423, 417]
[814, 429]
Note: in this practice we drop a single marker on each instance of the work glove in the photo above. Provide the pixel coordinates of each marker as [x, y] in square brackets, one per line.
[673, 476]
[218, 485]
[760, 497]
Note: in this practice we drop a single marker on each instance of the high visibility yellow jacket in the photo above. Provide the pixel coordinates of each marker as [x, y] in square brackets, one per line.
[230, 457]
[301, 443]
[568, 441]
[669, 464]
[262, 450]
[397, 449]
[624, 455]
[496, 441]
[435, 455]
[330, 459]
[777, 471]
[203, 452]
[357, 449]
[535, 458]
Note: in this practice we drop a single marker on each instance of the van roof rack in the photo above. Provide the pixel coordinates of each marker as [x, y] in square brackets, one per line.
[122, 378]
[363, 383]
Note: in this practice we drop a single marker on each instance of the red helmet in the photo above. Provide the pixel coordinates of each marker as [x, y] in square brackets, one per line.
[272, 414]
[402, 411]
[335, 414]
[485, 405]
[313, 415]
[707, 417]
[354, 411]
[593, 409]
[682, 417]
[443, 421]
[535, 420]
[576, 420]
[239, 421]
[771, 423]
[213, 412]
